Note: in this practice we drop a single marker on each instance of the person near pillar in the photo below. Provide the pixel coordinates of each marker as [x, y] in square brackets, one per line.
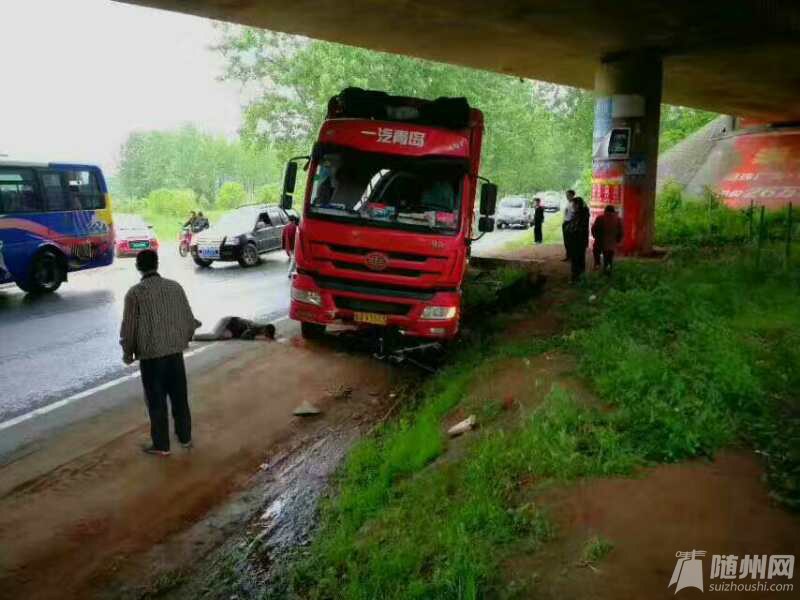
[577, 238]
[538, 220]
[568, 212]
[607, 234]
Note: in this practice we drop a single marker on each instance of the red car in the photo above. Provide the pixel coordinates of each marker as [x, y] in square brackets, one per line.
[133, 235]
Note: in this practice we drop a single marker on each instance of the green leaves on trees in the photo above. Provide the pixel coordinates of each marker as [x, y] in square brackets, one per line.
[231, 195]
[188, 158]
[175, 203]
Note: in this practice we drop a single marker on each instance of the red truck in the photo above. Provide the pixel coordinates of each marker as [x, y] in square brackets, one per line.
[388, 214]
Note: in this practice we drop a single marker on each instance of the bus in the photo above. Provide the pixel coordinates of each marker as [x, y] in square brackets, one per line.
[54, 218]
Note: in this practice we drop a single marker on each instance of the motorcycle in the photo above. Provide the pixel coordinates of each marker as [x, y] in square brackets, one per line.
[184, 241]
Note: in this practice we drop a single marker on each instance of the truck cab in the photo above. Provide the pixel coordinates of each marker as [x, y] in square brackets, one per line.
[388, 214]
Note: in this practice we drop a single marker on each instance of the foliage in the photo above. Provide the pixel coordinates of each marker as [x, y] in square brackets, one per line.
[678, 122]
[170, 202]
[596, 549]
[706, 221]
[191, 159]
[231, 195]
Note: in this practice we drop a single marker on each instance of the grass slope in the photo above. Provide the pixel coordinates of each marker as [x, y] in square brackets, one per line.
[692, 354]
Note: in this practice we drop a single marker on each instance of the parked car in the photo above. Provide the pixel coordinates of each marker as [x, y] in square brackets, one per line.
[552, 201]
[241, 235]
[132, 234]
[514, 211]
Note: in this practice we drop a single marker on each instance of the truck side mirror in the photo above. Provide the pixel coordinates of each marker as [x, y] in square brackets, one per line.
[488, 200]
[486, 224]
[289, 181]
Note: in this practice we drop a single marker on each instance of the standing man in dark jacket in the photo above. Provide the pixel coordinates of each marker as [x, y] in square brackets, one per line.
[568, 212]
[538, 220]
[157, 325]
[607, 233]
[577, 237]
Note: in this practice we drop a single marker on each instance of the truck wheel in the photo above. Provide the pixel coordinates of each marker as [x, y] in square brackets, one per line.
[201, 262]
[312, 331]
[250, 257]
[46, 275]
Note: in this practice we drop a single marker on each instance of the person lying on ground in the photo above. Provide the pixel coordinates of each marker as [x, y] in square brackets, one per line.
[237, 328]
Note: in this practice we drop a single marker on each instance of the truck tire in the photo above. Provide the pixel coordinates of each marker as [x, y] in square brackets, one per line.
[312, 331]
[46, 275]
[202, 262]
[249, 257]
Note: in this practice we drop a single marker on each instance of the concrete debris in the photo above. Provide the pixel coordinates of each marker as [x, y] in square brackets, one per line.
[462, 427]
[306, 409]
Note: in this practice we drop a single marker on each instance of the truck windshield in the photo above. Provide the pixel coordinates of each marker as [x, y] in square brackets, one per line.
[383, 191]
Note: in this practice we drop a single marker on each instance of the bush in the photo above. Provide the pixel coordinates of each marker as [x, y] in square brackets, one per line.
[706, 221]
[231, 195]
[173, 203]
[269, 194]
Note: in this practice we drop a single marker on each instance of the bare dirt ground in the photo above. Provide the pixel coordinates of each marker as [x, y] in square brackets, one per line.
[719, 506]
[89, 515]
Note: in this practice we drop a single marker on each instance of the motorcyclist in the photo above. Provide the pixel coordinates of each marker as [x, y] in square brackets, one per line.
[200, 223]
[192, 218]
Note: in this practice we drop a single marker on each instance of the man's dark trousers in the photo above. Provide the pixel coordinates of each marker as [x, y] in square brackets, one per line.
[537, 233]
[162, 377]
[577, 257]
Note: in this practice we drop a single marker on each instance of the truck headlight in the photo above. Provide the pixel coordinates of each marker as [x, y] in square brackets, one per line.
[307, 296]
[438, 313]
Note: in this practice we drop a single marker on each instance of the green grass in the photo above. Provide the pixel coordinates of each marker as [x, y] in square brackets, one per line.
[596, 549]
[693, 354]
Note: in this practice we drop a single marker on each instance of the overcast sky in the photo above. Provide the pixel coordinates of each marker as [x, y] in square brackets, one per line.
[79, 75]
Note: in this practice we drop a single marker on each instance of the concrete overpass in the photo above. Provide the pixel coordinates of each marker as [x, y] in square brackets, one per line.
[739, 57]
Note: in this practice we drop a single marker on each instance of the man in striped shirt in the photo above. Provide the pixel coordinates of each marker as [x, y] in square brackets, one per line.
[157, 325]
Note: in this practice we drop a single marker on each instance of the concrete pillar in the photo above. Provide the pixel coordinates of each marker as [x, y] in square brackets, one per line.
[625, 151]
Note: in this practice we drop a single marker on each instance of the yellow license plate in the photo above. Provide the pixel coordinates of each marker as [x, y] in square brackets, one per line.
[371, 318]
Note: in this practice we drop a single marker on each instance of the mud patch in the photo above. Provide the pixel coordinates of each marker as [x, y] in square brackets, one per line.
[721, 507]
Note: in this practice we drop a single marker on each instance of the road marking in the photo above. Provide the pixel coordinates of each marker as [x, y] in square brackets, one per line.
[102, 387]
[80, 395]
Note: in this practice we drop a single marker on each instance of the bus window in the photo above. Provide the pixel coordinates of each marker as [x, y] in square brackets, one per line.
[53, 191]
[83, 191]
[17, 191]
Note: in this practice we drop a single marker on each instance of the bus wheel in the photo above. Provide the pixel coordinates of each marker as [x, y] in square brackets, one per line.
[312, 331]
[47, 273]
[250, 257]
[200, 262]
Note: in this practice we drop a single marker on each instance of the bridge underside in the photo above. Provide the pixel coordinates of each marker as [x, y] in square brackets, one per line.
[731, 56]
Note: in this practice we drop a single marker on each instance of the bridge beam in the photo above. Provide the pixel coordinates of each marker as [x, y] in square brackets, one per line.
[625, 150]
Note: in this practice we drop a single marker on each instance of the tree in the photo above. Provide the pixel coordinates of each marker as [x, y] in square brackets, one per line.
[231, 195]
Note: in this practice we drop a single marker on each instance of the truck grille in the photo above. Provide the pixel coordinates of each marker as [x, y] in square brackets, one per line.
[392, 255]
[386, 271]
[377, 289]
[384, 308]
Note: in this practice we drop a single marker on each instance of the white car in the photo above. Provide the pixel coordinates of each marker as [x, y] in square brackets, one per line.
[514, 211]
[552, 201]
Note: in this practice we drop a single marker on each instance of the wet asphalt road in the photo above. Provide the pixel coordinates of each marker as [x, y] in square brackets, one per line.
[54, 346]
[57, 345]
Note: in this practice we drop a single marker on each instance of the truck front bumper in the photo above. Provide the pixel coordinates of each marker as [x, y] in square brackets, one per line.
[328, 307]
